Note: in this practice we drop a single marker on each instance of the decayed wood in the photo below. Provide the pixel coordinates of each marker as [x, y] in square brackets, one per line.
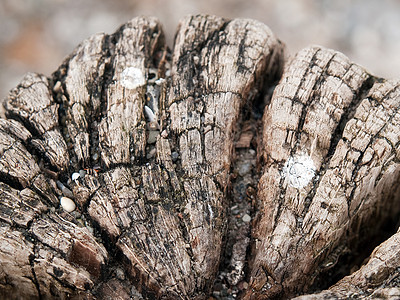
[142, 140]
[153, 132]
[378, 278]
[325, 109]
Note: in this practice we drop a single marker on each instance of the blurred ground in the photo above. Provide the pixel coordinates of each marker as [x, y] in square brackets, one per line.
[35, 35]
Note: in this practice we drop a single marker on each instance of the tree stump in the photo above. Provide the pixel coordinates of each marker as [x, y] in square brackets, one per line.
[139, 172]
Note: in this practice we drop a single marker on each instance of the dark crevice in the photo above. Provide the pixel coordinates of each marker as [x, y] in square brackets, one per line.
[348, 114]
[34, 150]
[62, 98]
[337, 135]
[242, 189]
[367, 238]
[314, 96]
[358, 164]
[11, 181]
[34, 280]
[25, 122]
[97, 91]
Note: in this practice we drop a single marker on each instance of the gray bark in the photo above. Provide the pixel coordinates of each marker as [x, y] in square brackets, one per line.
[167, 155]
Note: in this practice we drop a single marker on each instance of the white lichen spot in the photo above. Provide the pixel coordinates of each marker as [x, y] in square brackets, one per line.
[299, 170]
[67, 204]
[132, 78]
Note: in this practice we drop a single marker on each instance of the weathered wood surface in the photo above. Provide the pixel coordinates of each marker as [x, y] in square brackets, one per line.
[158, 151]
[377, 279]
[158, 195]
[330, 112]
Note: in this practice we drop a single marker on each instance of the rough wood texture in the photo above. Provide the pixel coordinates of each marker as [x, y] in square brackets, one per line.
[157, 151]
[378, 278]
[325, 109]
[157, 148]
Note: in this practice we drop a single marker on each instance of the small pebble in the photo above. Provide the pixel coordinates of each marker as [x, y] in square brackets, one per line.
[57, 86]
[95, 156]
[75, 176]
[64, 190]
[90, 229]
[120, 274]
[243, 285]
[174, 156]
[149, 113]
[244, 168]
[246, 218]
[164, 134]
[76, 214]
[153, 126]
[151, 153]
[82, 173]
[67, 204]
[152, 138]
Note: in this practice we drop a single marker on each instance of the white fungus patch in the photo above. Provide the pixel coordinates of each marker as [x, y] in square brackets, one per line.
[299, 170]
[132, 77]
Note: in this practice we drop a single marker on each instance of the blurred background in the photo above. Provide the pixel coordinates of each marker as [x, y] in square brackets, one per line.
[35, 35]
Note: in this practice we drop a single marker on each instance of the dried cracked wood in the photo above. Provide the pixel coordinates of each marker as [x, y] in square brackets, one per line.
[154, 132]
[331, 172]
[161, 150]
[379, 278]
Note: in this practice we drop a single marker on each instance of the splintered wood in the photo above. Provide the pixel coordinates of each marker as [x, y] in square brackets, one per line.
[116, 173]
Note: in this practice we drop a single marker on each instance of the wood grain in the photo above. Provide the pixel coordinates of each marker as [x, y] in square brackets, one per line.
[155, 189]
[196, 174]
[331, 110]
